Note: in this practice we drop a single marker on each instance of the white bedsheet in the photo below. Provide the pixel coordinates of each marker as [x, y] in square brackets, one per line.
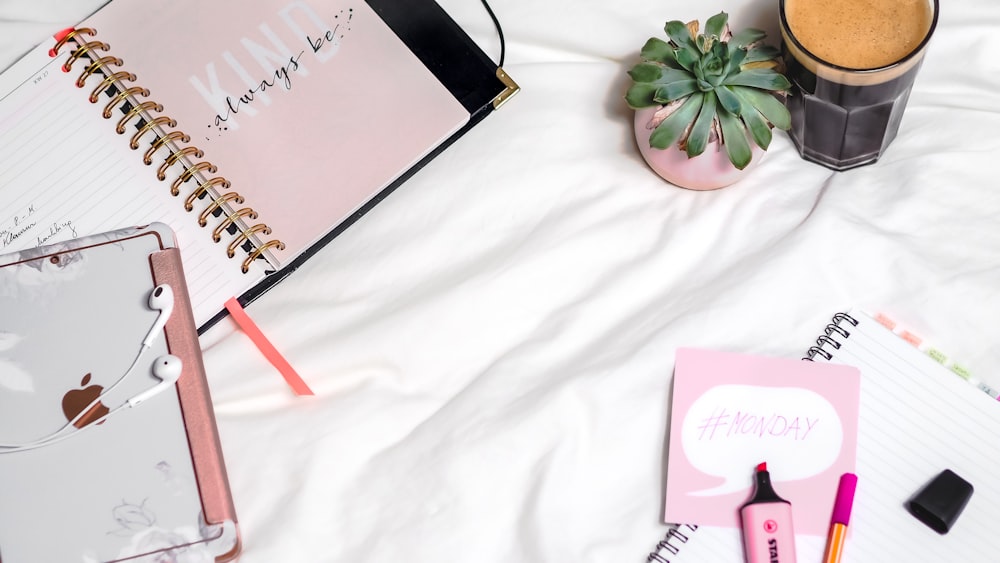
[491, 348]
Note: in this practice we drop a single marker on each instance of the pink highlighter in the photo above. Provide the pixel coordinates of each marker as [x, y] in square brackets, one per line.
[768, 536]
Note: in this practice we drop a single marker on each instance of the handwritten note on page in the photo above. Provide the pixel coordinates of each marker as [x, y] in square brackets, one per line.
[732, 411]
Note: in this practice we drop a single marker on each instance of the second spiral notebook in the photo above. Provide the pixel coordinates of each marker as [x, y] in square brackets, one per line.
[916, 419]
[257, 130]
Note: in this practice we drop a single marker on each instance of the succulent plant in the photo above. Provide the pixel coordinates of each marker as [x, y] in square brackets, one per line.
[713, 85]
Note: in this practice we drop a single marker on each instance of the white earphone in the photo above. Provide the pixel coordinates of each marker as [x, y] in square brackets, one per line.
[167, 369]
[160, 299]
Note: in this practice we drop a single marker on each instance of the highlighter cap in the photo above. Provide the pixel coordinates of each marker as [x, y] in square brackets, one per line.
[940, 502]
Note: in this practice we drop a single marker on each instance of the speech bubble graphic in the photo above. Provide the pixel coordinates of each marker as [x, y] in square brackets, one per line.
[731, 428]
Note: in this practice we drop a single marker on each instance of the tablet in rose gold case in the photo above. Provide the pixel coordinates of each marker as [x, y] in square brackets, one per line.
[145, 484]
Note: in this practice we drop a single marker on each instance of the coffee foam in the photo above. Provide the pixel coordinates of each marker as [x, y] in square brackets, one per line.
[866, 39]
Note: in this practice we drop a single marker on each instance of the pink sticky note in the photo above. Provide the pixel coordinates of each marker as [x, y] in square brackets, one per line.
[730, 412]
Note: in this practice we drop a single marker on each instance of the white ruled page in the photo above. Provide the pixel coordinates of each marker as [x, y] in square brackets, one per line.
[65, 172]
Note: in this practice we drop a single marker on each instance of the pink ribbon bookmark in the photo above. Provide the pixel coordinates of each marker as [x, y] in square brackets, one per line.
[247, 325]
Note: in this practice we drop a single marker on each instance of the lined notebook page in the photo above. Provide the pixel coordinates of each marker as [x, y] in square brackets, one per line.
[65, 173]
[917, 419]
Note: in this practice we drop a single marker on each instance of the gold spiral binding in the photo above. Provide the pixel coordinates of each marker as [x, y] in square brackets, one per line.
[120, 97]
[143, 107]
[161, 172]
[110, 79]
[96, 66]
[257, 252]
[231, 219]
[114, 84]
[175, 188]
[181, 136]
[203, 189]
[73, 33]
[216, 204]
[83, 50]
[155, 122]
[245, 236]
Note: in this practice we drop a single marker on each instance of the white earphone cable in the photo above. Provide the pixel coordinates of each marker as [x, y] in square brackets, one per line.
[42, 443]
[54, 436]
[161, 299]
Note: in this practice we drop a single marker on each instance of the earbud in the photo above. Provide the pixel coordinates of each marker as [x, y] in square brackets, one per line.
[160, 299]
[168, 370]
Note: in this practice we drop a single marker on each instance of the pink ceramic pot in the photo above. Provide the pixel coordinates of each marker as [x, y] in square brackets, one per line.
[708, 171]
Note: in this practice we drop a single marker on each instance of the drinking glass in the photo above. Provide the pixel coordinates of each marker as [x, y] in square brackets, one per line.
[844, 117]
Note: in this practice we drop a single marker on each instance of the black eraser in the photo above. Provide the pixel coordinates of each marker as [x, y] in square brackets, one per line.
[939, 503]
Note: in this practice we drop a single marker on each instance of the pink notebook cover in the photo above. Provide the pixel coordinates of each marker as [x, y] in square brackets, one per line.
[272, 91]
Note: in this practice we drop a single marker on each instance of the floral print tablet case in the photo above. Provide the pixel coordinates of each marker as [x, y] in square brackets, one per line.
[140, 485]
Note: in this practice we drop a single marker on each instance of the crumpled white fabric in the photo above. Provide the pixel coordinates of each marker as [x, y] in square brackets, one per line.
[491, 348]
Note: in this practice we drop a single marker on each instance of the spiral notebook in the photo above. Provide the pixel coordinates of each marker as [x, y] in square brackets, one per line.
[258, 130]
[917, 418]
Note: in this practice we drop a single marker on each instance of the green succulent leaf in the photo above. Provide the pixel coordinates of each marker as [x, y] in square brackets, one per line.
[676, 90]
[735, 140]
[647, 78]
[756, 124]
[710, 71]
[770, 107]
[761, 53]
[669, 131]
[736, 57]
[688, 57]
[715, 64]
[658, 50]
[704, 43]
[646, 72]
[747, 36]
[763, 78]
[715, 25]
[729, 101]
[721, 50]
[679, 34]
[641, 96]
[701, 130]
[674, 75]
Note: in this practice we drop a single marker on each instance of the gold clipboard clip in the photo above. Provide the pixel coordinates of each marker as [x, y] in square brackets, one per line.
[511, 88]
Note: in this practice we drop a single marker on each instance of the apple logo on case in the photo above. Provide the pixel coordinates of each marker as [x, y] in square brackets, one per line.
[75, 400]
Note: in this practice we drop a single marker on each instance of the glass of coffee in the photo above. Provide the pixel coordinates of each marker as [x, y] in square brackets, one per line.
[852, 64]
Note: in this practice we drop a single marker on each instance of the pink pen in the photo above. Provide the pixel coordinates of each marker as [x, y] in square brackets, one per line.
[841, 517]
[768, 536]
